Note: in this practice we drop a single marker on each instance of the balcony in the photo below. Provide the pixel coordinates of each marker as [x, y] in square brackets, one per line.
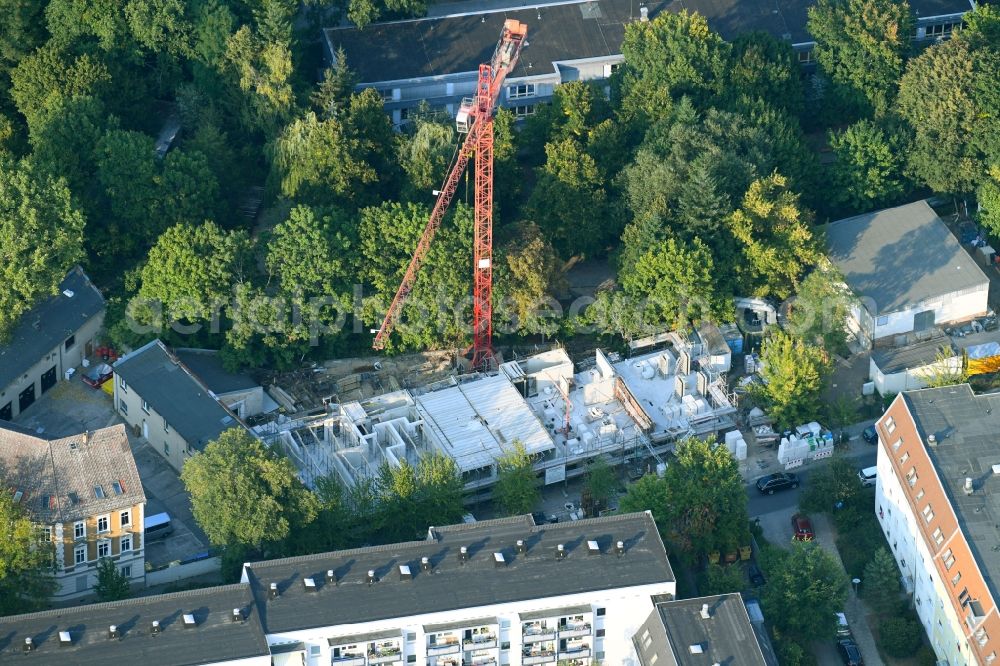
[541, 657]
[533, 633]
[385, 657]
[447, 648]
[574, 630]
[349, 660]
[575, 652]
[479, 643]
[480, 661]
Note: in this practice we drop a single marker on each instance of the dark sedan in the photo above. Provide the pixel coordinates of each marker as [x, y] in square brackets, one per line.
[770, 484]
[869, 435]
[849, 653]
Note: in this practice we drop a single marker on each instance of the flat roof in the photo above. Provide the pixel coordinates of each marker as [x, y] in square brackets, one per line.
[48, 324]
[451, 584]
[475, 421]
[207, 366]
[901, 257]
[566, 31]
[59, 478]
[176, 394]
[215, 638]
[677, 629]
[890, 360]
[966, 427]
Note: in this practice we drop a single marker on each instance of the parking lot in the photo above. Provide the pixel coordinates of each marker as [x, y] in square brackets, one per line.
[71, 407]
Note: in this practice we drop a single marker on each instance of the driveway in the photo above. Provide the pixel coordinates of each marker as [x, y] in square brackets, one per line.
[71, 407]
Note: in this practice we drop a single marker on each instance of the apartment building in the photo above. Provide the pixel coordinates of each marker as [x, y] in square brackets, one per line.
[938, 502]
[51, 338]
[170, 406]
[84, 492]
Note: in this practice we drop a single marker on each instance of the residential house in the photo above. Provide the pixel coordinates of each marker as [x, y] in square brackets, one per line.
[237, 391]
[494, 592]
[49, 340]
[695, 632]
[84, 491]
[908, 271]
[435, 60]
[166, 403]
[937, 498]
[896, 369]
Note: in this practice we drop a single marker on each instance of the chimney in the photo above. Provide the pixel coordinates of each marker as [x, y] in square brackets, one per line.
[273, 591]
[29, 645]
[425, 564]
[404, 572]
[705, 615]
[643, 13]
[521, 548]
[560, 552]
[155, 627]
[498, 560]
[371, 577]
[237, 615]
[931, 440]
[593, 548]
[463, 555]
[309, 584]
[968, 485]
[86, 437]
[620, 548]
[331, 577]
[65, 640]
[113, 633]
[189, 621]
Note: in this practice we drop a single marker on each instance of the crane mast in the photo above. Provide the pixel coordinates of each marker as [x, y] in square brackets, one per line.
[475, 120]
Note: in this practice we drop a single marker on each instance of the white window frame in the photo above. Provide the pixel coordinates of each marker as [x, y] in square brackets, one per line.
[890, 426]
[107, 523]
[123, 407]
[80, 550]
[125, 518]
[127, 570]
[145, 406]
[523, 110]
[106, 545]
[122, 385]
[80, 530]
[520, 90]
[166, 426]
[123, 542]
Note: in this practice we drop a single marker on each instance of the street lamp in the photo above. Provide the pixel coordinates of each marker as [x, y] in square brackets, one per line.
[855, 582]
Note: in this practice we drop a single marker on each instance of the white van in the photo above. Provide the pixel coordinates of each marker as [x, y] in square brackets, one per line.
[868, 475]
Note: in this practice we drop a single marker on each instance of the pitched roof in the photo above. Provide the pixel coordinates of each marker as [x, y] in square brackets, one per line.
[48, 324]
[678, 630]
[566, 31]
[207, 366]
[901, 257]
[176, 394]
[451, 584]
[215, 638]
[59, 479]
[890, 360]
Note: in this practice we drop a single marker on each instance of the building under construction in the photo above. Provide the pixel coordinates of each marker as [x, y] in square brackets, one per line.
[629, 411]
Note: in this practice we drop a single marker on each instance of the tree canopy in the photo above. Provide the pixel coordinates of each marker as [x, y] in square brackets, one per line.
[25, 561]
[516, 490]
[794, 374]
[805, 588]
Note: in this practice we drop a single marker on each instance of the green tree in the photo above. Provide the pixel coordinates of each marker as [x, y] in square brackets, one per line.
[794, 374]
[244, 493]
[775, 233]
[334, 92]
[426, 155]
[63, 138]
[722, 580]
[190, 273]
[72, 21]
[837, 481]
[49, 74]
[949, 368]
[900, 637]
[530, 275]
[162, 26]
[648, 493]
[516, 490]
[881, 583]
[41, 237]
[989, 200]
[310, 252]
[805, 588]
[112, 584]
[765, 68]
[863, 45]
[819, 309]
[25, 561]
[264, 70]
[411, 499]
[948, 95]
[869, 170]
[677, 284]
[600, 482]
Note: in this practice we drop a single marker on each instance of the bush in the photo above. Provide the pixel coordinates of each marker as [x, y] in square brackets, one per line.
[790, 653]
[900, 636]
[722, 580]
[857, 546]
[926, 657]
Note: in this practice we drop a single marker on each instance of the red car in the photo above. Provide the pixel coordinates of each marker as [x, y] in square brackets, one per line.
[802, 528]
[98, 375]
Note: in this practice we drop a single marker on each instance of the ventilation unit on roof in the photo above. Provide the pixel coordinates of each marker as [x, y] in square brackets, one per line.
[620, 548]
[113, 634]
[331, 577]
[237, 615]
[696, 648]
[463, 555]
[499, 561]
[405, 573]
[65, 640]
[560, 552]
[155, 627]
[593, 547]
[931, 440]
[29, 645]
[68, 293]
[309, 584]
[189, 621]
[968, 485]
[705, 615]
[371, 577]
[521, 548]
[425, 564]
[272, 591]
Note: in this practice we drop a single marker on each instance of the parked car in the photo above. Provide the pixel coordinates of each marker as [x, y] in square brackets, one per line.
[541, 519]
[98, 375]
[802, 529]
[867, 476]
[843, 629]
[756, 577]
[772, 483]
[870, 435]
[849, 652]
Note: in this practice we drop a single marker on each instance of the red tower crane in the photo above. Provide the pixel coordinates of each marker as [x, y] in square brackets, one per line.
[475, 120]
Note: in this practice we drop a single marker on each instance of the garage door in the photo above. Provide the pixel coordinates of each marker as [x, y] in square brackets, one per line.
[49, 379]
[6, 412]
[26, 398]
